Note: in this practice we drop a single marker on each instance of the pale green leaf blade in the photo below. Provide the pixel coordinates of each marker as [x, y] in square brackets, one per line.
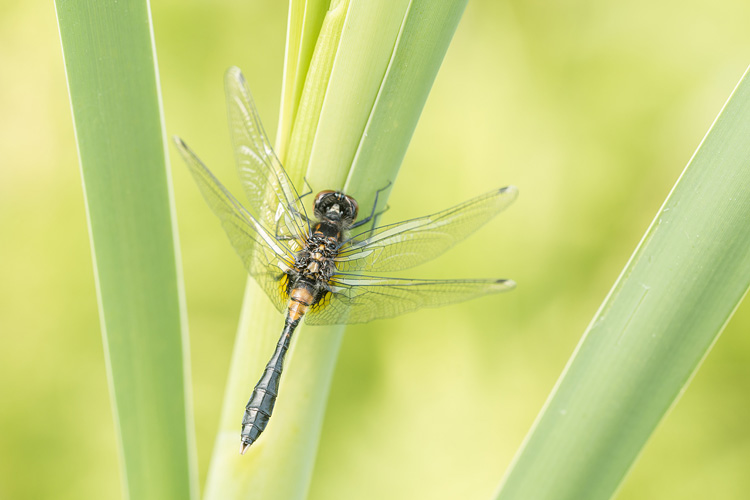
[111, 70]
[303, 27]
[307, 114]
[425, 34]
[369, 36]
[680, 288]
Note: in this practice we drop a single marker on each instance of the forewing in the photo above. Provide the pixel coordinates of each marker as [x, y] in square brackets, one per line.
[407, 244]
[272, 198]
[359, 299]
[265, 258]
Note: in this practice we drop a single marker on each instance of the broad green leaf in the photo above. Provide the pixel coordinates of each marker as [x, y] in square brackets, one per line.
[671, 302]
[111, 70]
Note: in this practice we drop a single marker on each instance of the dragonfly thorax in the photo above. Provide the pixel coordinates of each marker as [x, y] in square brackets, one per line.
[315, 261]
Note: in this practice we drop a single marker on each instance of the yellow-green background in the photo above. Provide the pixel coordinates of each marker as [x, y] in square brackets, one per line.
[592, 108]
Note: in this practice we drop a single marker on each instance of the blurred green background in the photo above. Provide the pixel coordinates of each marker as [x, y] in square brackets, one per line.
[591, 108]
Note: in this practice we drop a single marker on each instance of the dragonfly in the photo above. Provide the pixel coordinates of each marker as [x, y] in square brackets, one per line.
[313, 267]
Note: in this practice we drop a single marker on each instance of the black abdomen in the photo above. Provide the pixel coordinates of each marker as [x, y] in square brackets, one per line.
[260, 406]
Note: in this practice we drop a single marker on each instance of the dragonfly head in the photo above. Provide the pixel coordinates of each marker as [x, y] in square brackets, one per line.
[335, 206]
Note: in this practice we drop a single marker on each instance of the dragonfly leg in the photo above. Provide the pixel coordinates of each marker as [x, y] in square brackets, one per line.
[373, 214]
[375, 219]
[307, 193]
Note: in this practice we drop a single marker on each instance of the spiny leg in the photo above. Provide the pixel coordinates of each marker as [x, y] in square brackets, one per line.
[308, 193]
[373, 215]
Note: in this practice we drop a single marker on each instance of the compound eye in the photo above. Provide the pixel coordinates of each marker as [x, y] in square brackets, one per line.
[319, 197]
[354, 206]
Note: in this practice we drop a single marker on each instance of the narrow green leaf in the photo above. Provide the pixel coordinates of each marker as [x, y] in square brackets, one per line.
[111, 70]
[368, 79]
[305, 20]
[314, 91]
[422, 42]
[671, 302]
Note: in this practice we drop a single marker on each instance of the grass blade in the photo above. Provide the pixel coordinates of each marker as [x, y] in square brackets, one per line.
[671, 302]
[111, 70]
[303, 27]
[345, 121]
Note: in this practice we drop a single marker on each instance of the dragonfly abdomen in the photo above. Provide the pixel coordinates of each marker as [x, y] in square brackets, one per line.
[260, 406]
[299, 300]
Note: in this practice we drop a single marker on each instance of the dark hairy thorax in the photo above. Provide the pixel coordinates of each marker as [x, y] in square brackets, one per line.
[314, 264]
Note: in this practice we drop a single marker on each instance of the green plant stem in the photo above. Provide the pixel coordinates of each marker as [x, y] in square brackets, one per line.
[111, 70]
[357, 112]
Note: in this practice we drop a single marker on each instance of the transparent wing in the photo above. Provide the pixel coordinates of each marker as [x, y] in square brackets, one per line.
[359, 299]
[406, 244]
[265, 257]
[260, 170]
